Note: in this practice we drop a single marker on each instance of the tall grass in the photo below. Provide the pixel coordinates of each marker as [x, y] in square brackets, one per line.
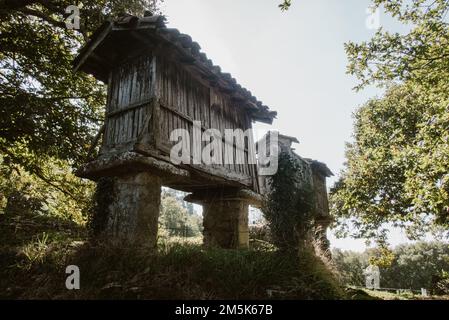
[186, 272]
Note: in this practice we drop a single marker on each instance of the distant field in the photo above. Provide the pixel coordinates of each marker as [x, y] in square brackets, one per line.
[366, 294]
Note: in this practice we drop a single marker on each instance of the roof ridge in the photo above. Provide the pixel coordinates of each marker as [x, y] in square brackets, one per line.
[187, 45]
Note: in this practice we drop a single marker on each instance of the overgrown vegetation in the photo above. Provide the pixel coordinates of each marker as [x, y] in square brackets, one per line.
[289, 206]
[23, 194]
[36, 248]
[35, 268]
[440, 283]
[102, 198]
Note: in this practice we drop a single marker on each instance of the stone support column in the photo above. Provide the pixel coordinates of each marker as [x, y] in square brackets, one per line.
[225, 218]
[226, 223]
[134, 209]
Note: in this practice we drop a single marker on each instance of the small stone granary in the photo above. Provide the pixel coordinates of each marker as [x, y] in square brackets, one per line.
[158, 81]
[313, 174]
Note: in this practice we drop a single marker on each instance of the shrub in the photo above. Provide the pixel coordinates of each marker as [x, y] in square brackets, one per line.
[440, 283]
[260, 232]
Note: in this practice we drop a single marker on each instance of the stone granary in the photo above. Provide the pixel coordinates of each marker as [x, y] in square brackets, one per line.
[312, 173]
[158, 81]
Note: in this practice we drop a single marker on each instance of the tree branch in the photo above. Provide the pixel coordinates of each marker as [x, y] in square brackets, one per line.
[34, 170]
[6, 5]
[44, 17]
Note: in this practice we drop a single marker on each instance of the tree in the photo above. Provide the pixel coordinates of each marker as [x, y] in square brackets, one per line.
[350, 266]
[176, 219]
[63, 196]
[413, 266]
[397, 167]
[48, 113]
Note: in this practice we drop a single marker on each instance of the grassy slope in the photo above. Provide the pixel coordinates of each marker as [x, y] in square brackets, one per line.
[27, 241]
[34, 253]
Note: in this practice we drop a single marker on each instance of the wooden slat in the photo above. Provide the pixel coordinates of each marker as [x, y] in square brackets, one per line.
[128, 108]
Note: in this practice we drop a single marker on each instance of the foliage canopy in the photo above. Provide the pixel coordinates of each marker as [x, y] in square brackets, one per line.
[48, 113]
[413, 266]
[397, 167]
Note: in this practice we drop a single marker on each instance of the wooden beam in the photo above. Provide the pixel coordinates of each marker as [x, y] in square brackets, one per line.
[91, 47]
[129, 108]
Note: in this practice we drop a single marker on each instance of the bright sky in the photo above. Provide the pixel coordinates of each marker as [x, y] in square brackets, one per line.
[292, 61]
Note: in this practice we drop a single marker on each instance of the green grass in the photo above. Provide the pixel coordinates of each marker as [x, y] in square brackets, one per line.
[35, 252]
[180, 272]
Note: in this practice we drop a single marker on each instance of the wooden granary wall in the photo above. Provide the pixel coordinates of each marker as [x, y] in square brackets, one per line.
[131, 89]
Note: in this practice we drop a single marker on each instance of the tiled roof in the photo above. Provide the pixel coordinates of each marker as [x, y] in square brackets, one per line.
[94, 60]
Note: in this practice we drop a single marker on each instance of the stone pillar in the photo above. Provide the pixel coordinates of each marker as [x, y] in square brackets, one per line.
[134, 210]
[226, 223]
[225, 217]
